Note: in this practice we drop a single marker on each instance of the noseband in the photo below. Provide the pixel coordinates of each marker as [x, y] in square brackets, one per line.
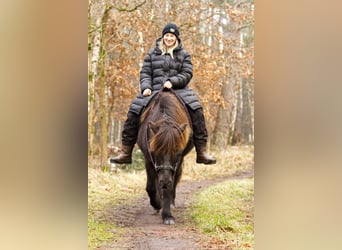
[157, 168]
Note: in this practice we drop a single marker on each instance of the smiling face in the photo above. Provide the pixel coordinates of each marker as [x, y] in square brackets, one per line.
[169, 39]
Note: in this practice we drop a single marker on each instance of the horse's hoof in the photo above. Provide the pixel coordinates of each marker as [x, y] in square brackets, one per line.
[169, 221]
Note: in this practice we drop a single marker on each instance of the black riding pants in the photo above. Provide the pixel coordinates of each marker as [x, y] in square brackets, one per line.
[200, 134]
[130, 129]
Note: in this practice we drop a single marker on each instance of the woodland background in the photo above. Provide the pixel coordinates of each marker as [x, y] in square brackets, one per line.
[219, 35]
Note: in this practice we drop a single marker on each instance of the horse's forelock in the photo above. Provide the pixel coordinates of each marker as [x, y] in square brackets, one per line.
[169, 115]
[171, 137]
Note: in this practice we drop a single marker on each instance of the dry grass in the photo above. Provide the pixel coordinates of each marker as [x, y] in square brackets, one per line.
[234, 160]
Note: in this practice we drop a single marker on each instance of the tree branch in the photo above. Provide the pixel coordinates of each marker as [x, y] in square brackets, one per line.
[132, 9]
[242, 27]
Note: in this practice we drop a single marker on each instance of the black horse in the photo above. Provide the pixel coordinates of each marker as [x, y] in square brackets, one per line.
[165, 137]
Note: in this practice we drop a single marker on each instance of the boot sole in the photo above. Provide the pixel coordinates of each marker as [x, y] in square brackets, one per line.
[207, 162]
[119, 162]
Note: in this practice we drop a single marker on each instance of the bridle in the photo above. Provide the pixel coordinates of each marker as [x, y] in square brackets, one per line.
[173, 169]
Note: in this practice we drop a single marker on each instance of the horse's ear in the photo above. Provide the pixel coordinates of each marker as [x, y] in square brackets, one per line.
[153, 126]
[183, 126]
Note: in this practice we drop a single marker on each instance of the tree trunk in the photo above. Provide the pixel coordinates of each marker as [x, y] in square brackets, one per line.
[220, 138]
[246, 126]
[237, 134]
[99, 13]
[243, 132]
[96, 12]
[104, 131]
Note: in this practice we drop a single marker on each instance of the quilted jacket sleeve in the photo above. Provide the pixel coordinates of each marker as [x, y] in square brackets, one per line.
[182, 79]
[146, 74]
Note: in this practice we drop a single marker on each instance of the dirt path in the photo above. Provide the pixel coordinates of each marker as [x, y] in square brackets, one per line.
[145, 227]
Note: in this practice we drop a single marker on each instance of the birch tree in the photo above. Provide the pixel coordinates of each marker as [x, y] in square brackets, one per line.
[96, 20]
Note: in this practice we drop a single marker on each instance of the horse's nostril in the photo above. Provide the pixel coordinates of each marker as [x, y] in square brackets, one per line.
[164, 184]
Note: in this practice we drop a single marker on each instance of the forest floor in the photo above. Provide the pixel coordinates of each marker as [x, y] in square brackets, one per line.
[138, 226]
[145, 227]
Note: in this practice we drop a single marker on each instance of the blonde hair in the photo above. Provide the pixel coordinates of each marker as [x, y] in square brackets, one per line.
[165, 50]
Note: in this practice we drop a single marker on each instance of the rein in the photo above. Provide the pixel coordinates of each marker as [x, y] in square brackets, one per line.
[148, 145]
[184, 106]
[149, 152]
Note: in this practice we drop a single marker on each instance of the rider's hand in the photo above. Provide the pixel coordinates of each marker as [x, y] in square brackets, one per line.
[168, 85]
[147, 92]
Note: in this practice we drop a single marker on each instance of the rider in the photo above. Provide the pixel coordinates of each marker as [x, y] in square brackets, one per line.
[167, 65]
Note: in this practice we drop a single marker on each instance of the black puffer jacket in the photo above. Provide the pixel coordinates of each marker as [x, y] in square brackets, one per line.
[158, 68]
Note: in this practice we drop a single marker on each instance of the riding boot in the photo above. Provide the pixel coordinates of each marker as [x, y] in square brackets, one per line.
[203, 157]
[129, 138]
[125, 156]
[200, 136]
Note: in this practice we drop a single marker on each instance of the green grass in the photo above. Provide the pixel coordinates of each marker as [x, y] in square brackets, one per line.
[225, 213]
[98, 232]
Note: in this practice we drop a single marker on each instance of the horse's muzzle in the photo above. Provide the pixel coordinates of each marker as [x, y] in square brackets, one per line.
[165, 177]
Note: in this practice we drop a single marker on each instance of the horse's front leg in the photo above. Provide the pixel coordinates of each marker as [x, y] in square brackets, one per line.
[177, 178]
[168, 219]
[166, 190]
[151, 187]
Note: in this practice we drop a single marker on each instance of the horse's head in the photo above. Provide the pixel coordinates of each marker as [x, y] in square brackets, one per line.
[167, 142]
